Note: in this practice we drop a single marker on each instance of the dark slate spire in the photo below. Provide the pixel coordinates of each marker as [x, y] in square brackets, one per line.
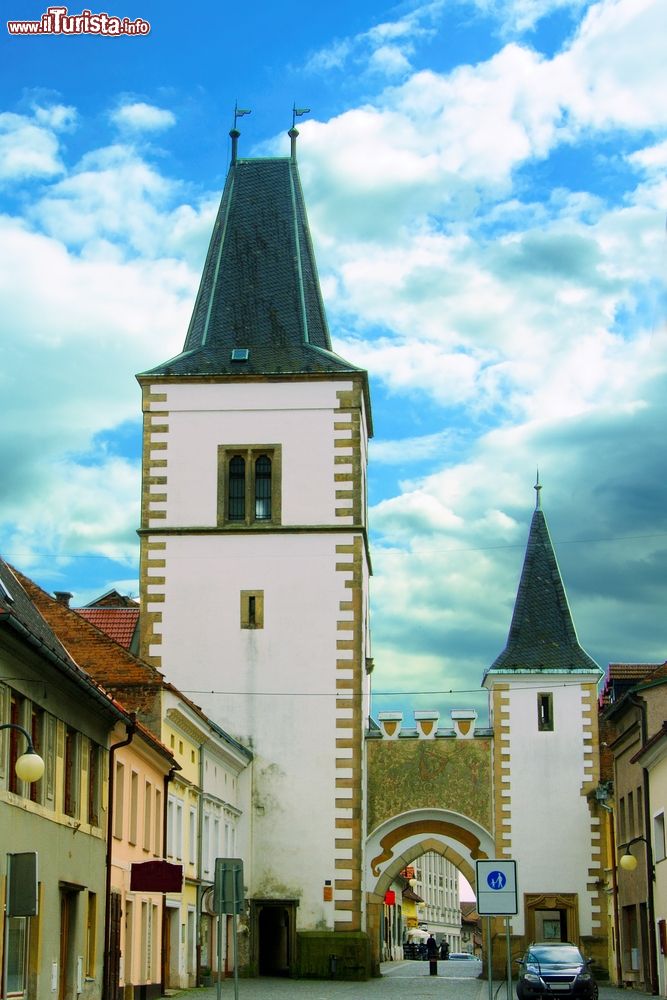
[259, 308]
[542, 636]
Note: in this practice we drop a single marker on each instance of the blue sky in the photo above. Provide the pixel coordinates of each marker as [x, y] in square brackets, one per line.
[485, 182]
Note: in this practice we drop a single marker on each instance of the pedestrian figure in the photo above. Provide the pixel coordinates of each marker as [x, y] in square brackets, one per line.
[432, 953]
[444, 949]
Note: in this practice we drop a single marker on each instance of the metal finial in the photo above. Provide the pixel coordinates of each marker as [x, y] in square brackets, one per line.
[239, 113]
[297, 113]
[537, 488]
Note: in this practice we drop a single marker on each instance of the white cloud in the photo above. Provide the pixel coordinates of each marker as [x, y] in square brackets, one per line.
[59, 117]
[652, 158]
[137, 116]
[79, 329]
[518, 16]
[116, 195]
[27, 149]
[409, 450]
[610, 70]
[384, 48]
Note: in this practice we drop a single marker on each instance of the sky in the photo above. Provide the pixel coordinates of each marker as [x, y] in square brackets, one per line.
[485, 182]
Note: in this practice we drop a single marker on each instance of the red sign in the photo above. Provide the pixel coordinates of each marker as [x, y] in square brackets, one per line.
[390, 897]
[156, 876]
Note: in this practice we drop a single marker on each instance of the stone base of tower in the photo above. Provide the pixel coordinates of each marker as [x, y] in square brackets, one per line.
[333, 955]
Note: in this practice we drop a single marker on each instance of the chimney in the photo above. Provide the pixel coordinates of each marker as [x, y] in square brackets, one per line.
[63, 597]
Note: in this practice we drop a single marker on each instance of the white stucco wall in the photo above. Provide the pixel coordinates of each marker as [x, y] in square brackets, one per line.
[274, 688]
[297, 415]
[551, 825]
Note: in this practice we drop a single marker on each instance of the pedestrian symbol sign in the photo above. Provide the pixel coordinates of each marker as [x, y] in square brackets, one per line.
[496, 888]
[496, 880]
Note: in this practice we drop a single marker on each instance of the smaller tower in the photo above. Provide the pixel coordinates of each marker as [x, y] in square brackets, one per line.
[543, 693]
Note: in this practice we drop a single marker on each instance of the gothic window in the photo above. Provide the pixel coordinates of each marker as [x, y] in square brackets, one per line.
[236, 509]
[263, 488]
[249, 490]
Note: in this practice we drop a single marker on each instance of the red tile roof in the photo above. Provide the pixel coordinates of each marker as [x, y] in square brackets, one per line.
[118, 623]
[631, 671]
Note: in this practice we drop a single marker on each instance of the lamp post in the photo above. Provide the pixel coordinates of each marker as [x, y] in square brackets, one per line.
[29, 766]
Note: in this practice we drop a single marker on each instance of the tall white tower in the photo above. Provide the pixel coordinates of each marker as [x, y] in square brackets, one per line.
[254, 552]
[546, 759]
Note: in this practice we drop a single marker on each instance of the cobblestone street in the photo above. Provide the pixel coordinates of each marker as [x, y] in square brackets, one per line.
[409, 980]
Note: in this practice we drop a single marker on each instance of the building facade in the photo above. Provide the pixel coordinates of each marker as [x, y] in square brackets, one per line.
[189, 815]
[634, 716]
[58, 952]
[254, 558]
[437, 882]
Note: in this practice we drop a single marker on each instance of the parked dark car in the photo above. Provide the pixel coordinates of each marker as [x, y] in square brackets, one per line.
[554, 968]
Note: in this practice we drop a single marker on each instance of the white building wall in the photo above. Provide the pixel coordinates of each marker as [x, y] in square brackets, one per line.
[282, 689]
[297, 415]
[553, 835]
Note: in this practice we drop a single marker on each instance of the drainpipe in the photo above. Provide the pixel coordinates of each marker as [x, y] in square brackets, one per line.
[640, 703]
[200, 865]
[614, 891]
[168, 778]
[106, 978]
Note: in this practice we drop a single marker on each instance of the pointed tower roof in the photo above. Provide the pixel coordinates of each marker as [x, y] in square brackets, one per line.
[259, 308]
[542, 637]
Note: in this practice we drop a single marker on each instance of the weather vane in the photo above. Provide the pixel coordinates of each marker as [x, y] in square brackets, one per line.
[240, 112]
[297, 113]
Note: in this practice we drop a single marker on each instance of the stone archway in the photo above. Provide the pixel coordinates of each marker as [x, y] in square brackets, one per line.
[401, 839]
[398, 841]
[425, 793]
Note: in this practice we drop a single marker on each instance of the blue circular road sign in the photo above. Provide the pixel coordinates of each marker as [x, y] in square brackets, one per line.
[496, 880]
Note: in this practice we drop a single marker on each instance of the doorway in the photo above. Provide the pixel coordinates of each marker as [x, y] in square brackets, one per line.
[274, 924]
[67, 977]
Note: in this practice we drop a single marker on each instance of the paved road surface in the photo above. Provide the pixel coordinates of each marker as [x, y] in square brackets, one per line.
[404, 980]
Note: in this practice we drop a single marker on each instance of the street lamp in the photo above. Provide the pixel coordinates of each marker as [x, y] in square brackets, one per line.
[29, 766]
[628, 861]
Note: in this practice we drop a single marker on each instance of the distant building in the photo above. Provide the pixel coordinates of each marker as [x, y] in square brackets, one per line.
[471, 929]
[437, 882]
